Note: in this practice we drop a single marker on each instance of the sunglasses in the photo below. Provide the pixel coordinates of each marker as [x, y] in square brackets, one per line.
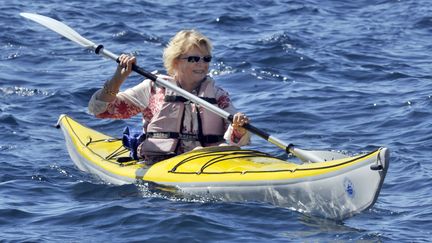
[197, 58]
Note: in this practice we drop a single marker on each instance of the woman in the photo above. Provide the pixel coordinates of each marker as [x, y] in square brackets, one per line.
[171, 124]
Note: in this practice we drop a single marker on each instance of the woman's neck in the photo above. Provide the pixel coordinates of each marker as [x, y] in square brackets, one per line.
[189, 86]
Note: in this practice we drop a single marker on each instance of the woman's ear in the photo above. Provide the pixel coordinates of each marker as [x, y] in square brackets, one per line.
[175, 63]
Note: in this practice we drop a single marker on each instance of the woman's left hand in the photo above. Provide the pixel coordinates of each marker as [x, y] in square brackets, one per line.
[239, 120]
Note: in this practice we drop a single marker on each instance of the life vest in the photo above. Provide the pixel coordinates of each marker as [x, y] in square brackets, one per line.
[163, 131]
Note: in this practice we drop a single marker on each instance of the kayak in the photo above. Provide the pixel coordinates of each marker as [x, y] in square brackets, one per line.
[337, 188]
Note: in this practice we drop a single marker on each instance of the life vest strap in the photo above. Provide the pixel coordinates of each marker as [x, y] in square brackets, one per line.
[177, 98]
[186, 136]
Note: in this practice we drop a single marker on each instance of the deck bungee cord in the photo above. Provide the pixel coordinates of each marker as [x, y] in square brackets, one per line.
[255, 154]
[219, 157]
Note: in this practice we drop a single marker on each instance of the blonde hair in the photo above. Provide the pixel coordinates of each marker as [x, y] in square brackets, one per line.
[181, 43]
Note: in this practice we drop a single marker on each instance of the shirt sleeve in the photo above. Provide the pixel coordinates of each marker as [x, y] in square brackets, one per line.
[231, 136]
[234, 138]
[127, 103]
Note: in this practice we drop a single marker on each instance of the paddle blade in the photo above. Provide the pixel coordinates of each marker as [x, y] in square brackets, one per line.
[60, 28]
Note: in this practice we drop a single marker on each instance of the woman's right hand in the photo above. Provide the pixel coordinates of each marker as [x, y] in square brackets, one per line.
[124, 67]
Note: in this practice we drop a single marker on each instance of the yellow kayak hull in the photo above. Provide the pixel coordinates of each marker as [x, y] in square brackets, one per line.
[338, 188]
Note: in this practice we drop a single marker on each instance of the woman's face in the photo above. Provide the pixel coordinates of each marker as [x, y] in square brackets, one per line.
[189, 69]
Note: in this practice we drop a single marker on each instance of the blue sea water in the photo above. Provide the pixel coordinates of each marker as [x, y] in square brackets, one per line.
[329, 74]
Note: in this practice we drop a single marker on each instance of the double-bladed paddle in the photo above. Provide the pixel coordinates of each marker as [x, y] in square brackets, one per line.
[72, 35]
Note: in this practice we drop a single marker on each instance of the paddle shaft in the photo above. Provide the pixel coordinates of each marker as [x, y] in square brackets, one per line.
[72, 35]
[101, 50]
[210, 107]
